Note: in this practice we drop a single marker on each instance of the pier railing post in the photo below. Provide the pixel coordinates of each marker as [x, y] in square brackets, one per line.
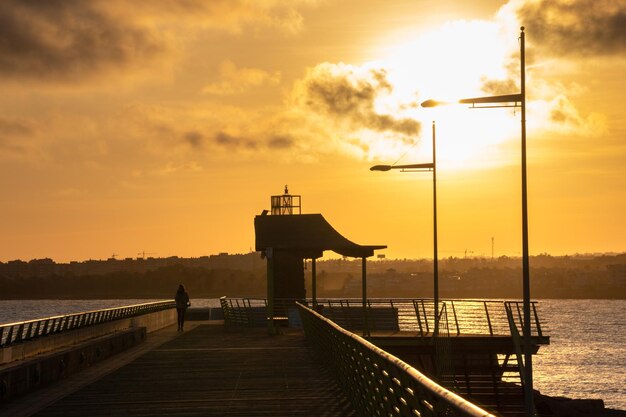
[313, 283]
[269, 252]
[366, 330]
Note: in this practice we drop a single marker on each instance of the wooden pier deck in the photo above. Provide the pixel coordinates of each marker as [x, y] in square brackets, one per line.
[211, 371]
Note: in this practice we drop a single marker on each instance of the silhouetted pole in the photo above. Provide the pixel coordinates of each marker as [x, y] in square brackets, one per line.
[313, 283]
[269, 252]
[528, 353]
[502, 99]
[435, 256]
[430, 166]
[366, 329]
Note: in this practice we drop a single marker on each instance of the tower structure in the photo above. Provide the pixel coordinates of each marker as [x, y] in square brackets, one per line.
[287, 264]
[285, 204]
[286, 238]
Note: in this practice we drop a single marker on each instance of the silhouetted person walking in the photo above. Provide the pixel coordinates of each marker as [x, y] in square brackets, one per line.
[182, 302]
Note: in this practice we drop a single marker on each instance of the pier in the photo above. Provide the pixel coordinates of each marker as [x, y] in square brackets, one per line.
[206, 370]
[476, 350]
[209, 371]
[309, 365]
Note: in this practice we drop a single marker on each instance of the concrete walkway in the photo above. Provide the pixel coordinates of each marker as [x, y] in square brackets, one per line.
[205, 371]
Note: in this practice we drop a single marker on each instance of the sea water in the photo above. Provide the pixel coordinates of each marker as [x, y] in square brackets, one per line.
[586, 357]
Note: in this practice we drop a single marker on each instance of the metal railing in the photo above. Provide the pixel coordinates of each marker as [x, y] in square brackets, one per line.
[443, 348]
[12, 333]
[516, 326]
[248, 312]
[515, 317]
[377, 383]
[479, 317]
[464, 317]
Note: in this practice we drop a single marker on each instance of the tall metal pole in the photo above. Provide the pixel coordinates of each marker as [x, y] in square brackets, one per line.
[366, 328]
[269, 252]
[314, 283]
[435, 257]
[528, 354]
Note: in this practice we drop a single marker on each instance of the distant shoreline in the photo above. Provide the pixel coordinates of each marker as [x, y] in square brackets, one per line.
[577, 277]
[144, 297]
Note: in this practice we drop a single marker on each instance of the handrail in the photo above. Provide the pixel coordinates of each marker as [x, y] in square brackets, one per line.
[246, 312]
[468, 317]
[376, 382]
[535, 324]
[11, 333]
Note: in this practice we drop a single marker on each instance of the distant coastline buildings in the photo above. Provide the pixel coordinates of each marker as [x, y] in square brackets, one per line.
[47, 267]
[577, 276]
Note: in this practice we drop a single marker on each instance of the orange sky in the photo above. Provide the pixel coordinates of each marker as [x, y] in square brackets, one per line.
[164, 127]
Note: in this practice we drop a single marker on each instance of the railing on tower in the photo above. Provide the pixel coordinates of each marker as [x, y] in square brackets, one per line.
[285, 204]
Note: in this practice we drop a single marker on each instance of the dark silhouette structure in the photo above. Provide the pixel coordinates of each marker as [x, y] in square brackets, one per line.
[287, 237]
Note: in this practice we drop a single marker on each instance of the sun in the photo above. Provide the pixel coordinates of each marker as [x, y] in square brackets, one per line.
[450, 63]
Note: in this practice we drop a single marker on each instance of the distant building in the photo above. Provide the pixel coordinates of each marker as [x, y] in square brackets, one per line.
[47, 267]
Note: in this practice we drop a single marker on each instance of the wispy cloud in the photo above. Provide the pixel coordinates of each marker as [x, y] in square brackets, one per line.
[70, 40]
[234, 80]
[15, 127]
[233, 141]
[280, 142]
[575, 28]
[561, 115]
[61, 39]
[560, 33]
[14, 132]
[348, 94]
[194, 138]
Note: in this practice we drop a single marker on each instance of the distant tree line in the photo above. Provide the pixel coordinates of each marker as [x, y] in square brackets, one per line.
[577, 276]
[551, 277]
[159, 283]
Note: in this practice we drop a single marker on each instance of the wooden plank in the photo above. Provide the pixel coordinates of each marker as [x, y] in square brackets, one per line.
[210, 371]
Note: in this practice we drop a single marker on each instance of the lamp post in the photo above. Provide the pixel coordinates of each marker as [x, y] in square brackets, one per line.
[432, 166]
[501, 101]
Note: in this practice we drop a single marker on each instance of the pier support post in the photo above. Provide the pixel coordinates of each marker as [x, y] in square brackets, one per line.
[269, 252]
[313, 283]
[366, 330]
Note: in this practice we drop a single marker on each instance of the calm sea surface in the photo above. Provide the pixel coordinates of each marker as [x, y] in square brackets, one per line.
[586, 357]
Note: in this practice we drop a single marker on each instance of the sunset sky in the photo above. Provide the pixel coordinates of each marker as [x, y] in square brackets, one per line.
[165, 126]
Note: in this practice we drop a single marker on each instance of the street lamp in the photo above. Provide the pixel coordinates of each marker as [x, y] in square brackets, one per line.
[512, 100]
[431, 166]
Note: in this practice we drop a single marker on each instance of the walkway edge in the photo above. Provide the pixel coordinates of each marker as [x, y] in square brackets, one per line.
[32, 403]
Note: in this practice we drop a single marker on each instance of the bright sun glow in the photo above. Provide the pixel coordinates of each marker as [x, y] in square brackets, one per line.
[447, 64]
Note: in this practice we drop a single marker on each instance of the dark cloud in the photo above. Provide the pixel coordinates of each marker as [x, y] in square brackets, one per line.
[15, 127]
[277, 141]
[563, 112]
[225, 139]
[194, 139]
[64, 39]
[576, 27]
[12, 134]
[500, 87]
[232, 141]
[9, 146]
[338, 95]
[346, 97]
[280, 142]
[557, 115]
